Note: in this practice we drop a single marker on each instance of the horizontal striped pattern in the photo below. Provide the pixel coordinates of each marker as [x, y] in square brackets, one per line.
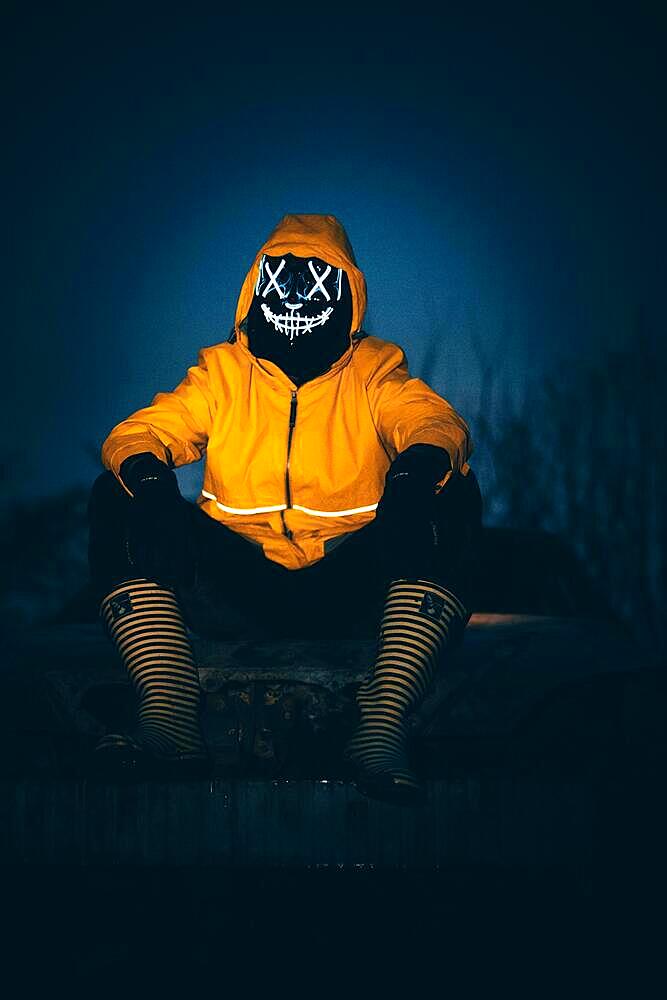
[145, 622]
[420, 619]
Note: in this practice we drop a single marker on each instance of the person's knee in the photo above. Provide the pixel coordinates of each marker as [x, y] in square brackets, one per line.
[107, 531]
[474, 498]
[458, 520]
[106, 496]
[459, 505]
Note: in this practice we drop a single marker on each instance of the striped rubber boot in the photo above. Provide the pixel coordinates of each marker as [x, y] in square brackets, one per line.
[145, 622]
[420, 620]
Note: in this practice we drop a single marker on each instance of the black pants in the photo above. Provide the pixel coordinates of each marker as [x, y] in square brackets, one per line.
[238, 593]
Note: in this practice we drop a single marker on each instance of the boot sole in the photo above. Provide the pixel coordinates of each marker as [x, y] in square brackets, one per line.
[387, 788]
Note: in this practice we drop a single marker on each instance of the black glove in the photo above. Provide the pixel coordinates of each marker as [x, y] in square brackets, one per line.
[408, 535]
[159, 527]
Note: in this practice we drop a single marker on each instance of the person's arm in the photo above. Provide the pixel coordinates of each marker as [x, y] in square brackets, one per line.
[427, 442]
[174, 428]
[407, 412]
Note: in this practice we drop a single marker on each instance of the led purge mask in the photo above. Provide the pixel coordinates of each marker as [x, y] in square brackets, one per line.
[300, 315]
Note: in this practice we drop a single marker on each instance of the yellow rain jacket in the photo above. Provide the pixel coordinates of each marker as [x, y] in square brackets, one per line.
[294, 470]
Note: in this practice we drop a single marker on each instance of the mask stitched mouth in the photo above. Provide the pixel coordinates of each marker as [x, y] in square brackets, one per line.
[293, 325]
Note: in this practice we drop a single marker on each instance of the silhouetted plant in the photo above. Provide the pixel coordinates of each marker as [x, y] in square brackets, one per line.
[43, 546]
[584, 454]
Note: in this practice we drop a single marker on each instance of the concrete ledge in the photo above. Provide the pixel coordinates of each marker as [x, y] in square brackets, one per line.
[541, 733]
[284, 709]
[300, 824]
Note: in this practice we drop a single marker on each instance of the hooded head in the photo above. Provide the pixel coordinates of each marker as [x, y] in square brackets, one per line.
[304, 298]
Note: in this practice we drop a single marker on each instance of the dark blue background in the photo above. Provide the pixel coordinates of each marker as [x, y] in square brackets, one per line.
[501, 181]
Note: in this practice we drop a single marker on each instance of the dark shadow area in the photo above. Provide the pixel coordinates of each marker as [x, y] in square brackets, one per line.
[111, 930]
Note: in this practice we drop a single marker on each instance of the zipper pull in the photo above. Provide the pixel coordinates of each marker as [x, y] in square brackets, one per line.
[292, 410]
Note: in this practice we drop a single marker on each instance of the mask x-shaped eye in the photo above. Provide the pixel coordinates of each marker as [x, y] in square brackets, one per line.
[319, 279]
[299, 278]
[273, 284]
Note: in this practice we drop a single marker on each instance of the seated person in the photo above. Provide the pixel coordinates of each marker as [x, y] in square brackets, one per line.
[337, 501]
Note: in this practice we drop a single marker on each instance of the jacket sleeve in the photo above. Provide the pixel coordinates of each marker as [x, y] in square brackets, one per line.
[175, 427]
[407, 411]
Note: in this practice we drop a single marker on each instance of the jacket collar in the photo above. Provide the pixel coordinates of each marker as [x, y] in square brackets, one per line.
[268, 368]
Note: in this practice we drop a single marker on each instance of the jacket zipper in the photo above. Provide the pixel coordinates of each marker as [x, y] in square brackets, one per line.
[288, 489]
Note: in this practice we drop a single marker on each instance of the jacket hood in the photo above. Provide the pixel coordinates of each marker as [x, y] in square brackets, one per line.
[307, 235]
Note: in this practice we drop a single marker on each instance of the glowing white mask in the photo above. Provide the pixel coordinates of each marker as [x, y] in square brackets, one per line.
[295, 297]
[297, 294]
